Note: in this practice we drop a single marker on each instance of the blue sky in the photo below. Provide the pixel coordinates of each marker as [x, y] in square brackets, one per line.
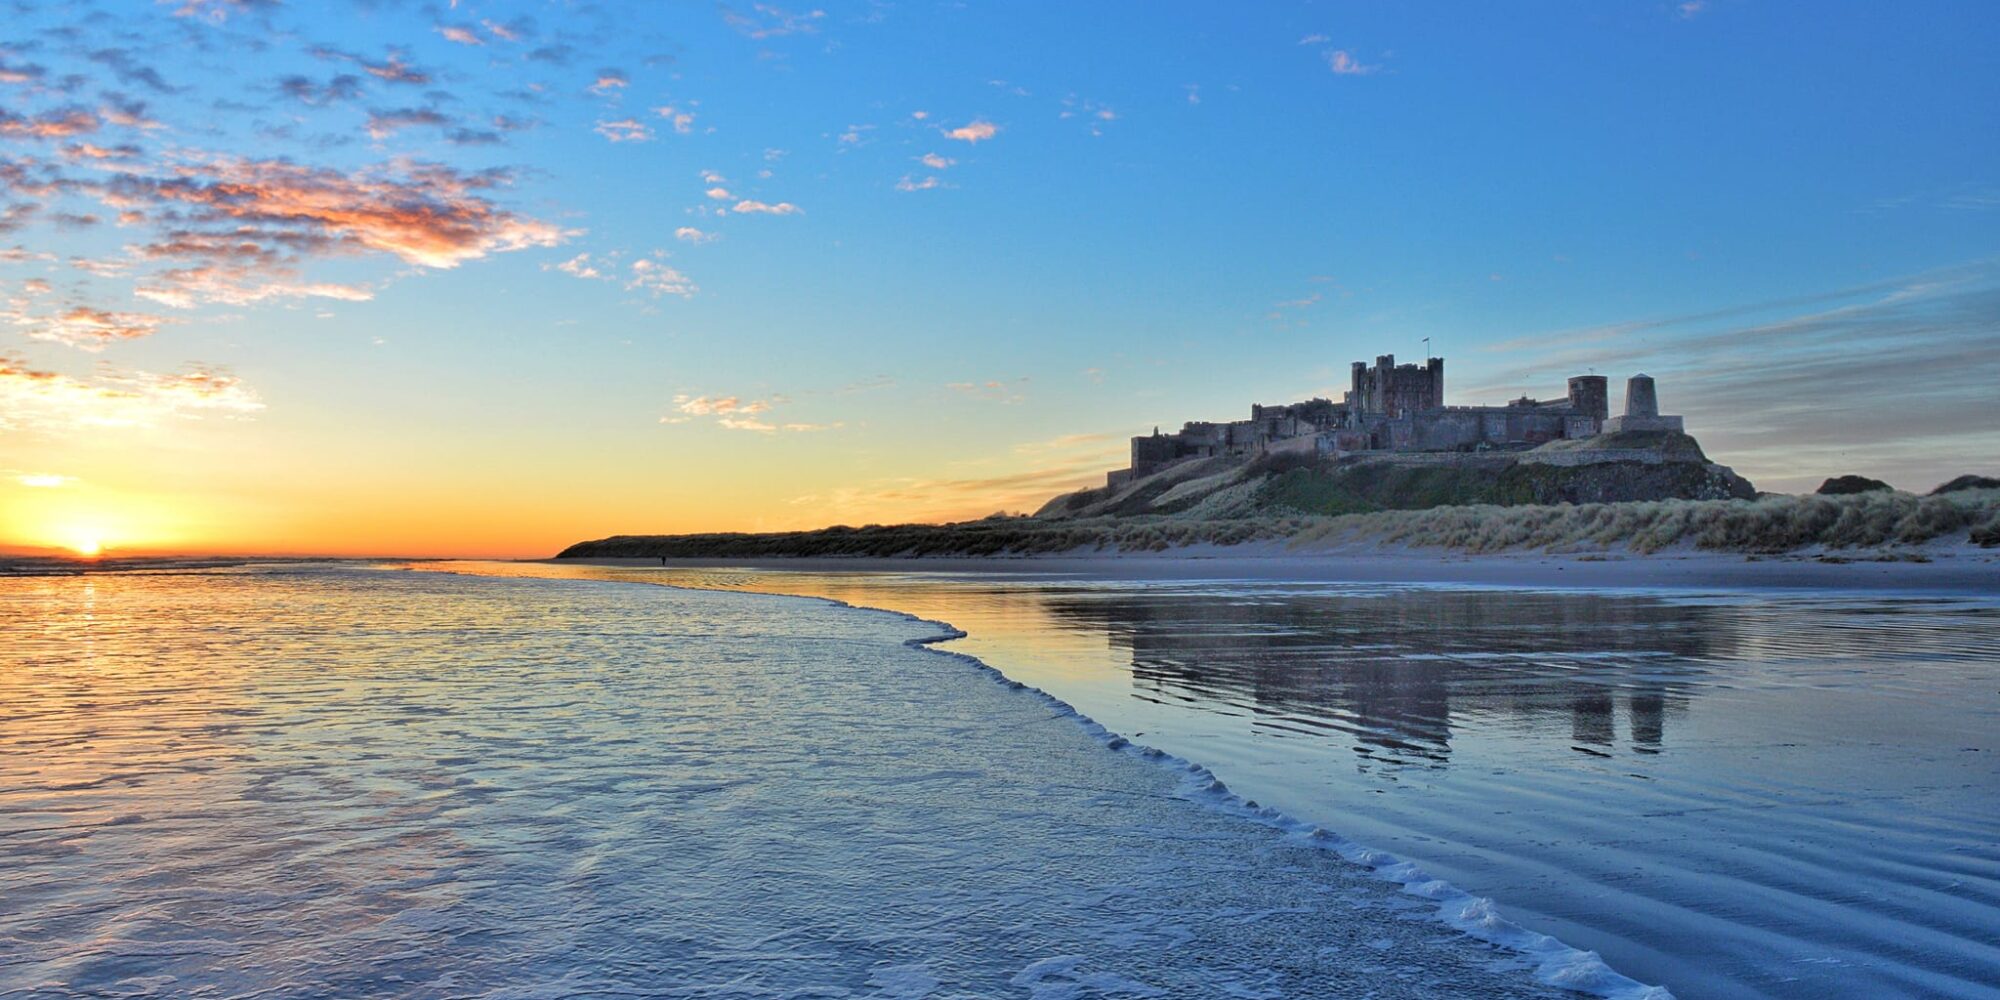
[628, 267]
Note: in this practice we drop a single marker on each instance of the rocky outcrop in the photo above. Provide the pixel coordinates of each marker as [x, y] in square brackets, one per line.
[1968, 483]
[1844, 485]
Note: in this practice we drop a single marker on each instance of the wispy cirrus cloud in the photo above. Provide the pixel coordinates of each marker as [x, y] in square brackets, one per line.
[89, 329]
[62, 123]
[764, 20]
[384, 123]
[239, 285]
[705, 406]
[220, 10]
[427, 214]
[610, 81]
[130, 70]
[1345, 63]
[992, 390]
[19, 73]
[625, 130]
[736, 413]
[1792, 391]
[507, 31]
[43, 400]
[394, 68]
[77, 152]
[750, 206]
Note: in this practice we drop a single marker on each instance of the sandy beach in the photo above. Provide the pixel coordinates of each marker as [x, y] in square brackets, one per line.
[1949, 569]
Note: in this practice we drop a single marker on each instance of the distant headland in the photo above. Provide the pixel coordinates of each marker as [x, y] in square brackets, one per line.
[1392, 463]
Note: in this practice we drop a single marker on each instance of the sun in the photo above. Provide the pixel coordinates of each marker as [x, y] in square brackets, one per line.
[86, 540]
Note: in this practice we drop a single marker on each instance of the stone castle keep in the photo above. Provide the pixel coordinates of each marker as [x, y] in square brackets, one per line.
[1400, 408]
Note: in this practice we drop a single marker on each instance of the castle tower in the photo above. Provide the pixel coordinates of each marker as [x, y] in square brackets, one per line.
[1640, 398]
[1642, 410]
[1590, 395]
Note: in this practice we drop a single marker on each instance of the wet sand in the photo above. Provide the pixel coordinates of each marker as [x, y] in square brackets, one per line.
[1956, 569]
[1743, 778]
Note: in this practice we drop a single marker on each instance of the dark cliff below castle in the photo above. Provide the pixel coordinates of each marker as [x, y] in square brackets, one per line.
[1613, 467]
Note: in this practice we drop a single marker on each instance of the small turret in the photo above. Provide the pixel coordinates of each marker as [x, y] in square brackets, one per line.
[1640, 398]
[1642, 409]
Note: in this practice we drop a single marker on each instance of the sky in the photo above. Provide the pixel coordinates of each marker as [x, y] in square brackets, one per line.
[479, 278]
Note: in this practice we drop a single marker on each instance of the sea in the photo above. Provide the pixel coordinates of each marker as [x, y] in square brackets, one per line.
[534, 780]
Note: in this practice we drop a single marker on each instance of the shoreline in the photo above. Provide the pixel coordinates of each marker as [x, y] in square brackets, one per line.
[1948, 571]
[1547, 960]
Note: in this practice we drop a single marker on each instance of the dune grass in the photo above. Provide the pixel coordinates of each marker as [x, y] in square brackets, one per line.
[1779, 523]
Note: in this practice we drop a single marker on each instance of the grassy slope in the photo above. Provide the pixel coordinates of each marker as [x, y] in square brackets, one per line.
[1305, 484]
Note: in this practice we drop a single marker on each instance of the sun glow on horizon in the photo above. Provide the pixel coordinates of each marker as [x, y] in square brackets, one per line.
[86, 527]
[86, 537]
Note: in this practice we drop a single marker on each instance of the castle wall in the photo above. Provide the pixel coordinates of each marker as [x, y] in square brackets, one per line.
[1446, 430]
[1617, 425]
[1293, 446]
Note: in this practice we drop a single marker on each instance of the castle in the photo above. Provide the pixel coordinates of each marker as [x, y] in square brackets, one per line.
[1400, 408]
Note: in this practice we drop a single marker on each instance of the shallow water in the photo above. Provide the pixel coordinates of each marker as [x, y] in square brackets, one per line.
[345, 782]
[1750, 794]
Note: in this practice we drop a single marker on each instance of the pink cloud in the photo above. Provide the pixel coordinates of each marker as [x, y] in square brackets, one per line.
[91, 329]
[425, 214]
[59, 124]
[976, 131]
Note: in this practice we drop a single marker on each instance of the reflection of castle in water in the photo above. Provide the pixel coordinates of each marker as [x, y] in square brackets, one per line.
[1392, 669]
